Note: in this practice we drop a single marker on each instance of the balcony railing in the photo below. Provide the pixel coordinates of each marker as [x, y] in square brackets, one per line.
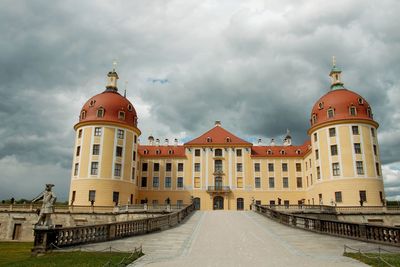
[218, 188]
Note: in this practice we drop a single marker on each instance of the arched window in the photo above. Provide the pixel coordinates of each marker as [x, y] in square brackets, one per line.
[282, 152]
[321, 105]
[170, 152]
[369, 113]
[130, 108]
[360, 101]
[353, 111]
[209, 139]
[121, 115]
[145, 152]
[298, 151]
[83, 114]
[331, 113]
[218, 152]
[269, 152]
[158, 152]
[92, 102]
[314, 118]
[100, 113]
[228, 139]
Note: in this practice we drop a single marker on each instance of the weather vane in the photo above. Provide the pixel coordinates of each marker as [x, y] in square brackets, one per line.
[333, 61]
[114, 64]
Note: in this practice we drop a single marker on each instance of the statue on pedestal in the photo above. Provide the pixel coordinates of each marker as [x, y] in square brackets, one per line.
[49, 199]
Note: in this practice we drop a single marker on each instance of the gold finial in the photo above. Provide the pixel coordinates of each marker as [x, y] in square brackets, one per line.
[333, 61]
[114, 65]
[126, 85]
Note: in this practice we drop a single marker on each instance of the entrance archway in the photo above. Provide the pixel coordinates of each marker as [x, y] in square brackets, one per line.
[196, 203]
[240, 204]
[218, 203]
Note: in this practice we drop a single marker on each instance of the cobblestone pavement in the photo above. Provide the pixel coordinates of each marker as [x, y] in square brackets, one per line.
[234, 238]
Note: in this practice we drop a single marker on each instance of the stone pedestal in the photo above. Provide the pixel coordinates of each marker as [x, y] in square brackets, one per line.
[44, 238]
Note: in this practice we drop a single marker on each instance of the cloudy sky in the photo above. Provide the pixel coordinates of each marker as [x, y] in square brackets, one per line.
[258, 66]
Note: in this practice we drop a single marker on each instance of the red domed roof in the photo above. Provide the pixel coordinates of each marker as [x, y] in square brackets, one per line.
[340, 104]
[113, 106]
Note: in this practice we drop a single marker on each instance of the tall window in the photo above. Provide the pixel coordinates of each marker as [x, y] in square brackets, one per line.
[96, 149]
[315, 137]
[121, 115]
[134, 155]
[179, 182]
[218, 165]
[318, 173]
[360, 167]
[76, 168]
[355, 130]
[168, 167]
[270, 167]
[120, 134]
[357, 148]
[180, 167]
[375, 151]
[271, 182]
[156, 167]
[167, 182]
[284, 167]
[238, 152]
[100, 113]
[257, 182]
[316, 154]
[373, 132]
[155, 182]
[144, 182]
[298, 167]
[80, 133]
[299, 181]
[97, 131]
[335, 169]
[378, 169]
[135, 139]
[363, 195]
[116, 197]
[332, 132]
[239, 167]
[353, 111]
[83, 115]
[92, 195]
[331, 113]
[285, 182]
[94, 168]
[144, 167]
[197, 167]
[78, 151]
[334, 151]
[256, 167]
[197, 152]
[338, 197]
[117, 169]
[118, 151]
[133, 174]
[218, 152]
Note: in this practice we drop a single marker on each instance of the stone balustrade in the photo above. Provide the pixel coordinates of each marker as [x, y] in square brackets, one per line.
[365, 232]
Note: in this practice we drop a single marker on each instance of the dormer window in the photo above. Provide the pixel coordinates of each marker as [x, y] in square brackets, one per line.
[170, 152]
[158, 152]
[314, 118]
[353, 111]
[360, 101]
[298, 151]
[130, 108]
[331, 113]
[369, 113]
[145, 152]
[92, 102]
[269, 152]
[228, 140]
[282, 152]
[100, 113]
[321, 105]
[83, 114]
[121, 115]
[209, 139]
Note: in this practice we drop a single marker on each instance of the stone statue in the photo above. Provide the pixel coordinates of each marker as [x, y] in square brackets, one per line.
[47, 209]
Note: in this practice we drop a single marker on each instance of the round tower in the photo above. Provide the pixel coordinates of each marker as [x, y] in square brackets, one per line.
[105, 150]
[344, 166]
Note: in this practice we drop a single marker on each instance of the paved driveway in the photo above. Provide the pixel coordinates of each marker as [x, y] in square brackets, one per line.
[234, 238]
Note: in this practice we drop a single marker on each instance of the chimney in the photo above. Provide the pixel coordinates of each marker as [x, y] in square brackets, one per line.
[272, 142]
[166, 141]
[217, 123]
[259, 141]
[176, 141]
[157, 142]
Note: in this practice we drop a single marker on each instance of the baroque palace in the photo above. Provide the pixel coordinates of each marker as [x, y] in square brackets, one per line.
[339, 165]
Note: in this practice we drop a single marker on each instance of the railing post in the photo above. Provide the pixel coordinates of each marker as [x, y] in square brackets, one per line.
[363, 231]
[44, 238]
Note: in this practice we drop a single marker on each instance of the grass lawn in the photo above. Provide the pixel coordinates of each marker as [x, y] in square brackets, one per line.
[19, 254]
[393, 259]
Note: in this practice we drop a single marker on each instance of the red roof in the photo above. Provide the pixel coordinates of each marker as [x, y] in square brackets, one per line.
[340, 100]
[112, 103]
[218, 136]
[280, 151]
[161, 151]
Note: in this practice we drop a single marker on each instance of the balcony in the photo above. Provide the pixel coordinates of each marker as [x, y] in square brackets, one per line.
[218, 189]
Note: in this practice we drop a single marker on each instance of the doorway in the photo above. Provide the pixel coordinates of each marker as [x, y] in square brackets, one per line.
[196, 203]
[240, 204]
[218, 203]
[17, 231]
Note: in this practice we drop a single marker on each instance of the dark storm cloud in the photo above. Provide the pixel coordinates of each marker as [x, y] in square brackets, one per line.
[258, 66]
